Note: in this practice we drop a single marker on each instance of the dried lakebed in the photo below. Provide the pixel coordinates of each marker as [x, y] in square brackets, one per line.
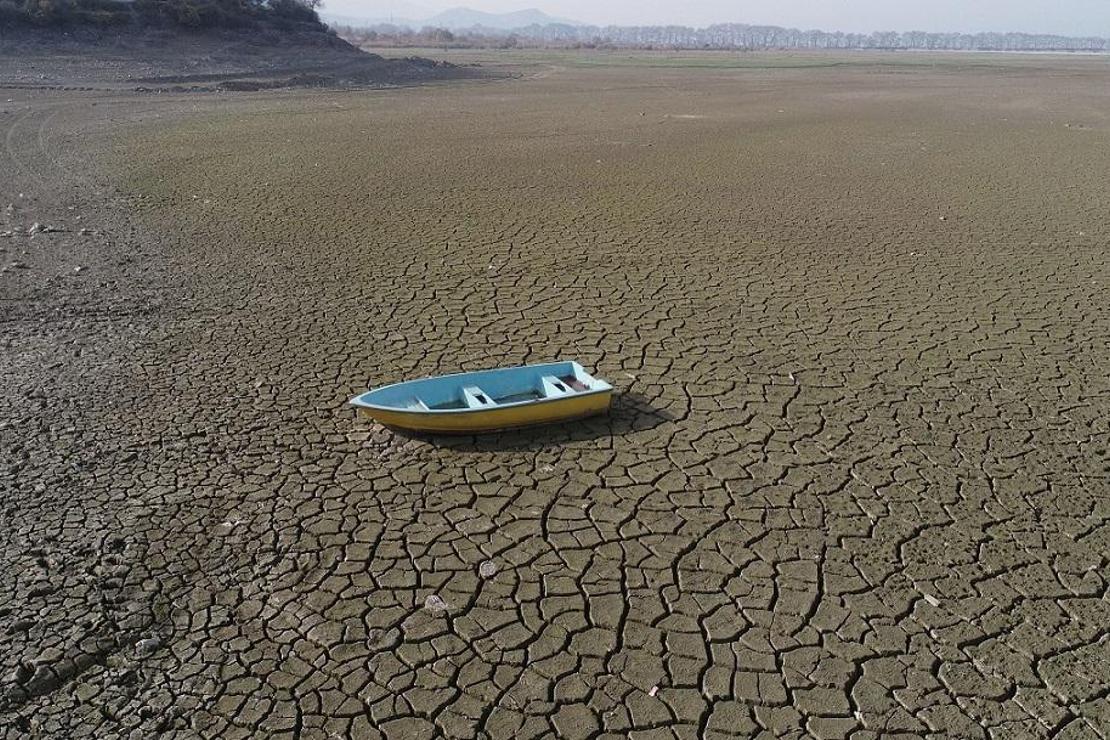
[856, 484]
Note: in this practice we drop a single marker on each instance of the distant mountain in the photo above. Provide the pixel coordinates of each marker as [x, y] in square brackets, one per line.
[459, 19]
[463, 18]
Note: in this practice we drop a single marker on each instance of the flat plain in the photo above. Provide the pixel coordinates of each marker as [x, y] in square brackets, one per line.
[856, 483]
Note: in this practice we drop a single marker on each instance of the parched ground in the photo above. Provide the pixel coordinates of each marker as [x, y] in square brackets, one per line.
[856, 483]
[154, 61]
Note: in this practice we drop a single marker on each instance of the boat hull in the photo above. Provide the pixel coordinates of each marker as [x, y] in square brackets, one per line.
[550, 411]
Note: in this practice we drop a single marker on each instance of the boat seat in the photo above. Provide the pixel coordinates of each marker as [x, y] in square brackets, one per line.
[417, 405]
[554, 388]
[476, 398]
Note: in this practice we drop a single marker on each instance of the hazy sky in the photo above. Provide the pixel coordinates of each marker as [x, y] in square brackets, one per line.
[1071, 17]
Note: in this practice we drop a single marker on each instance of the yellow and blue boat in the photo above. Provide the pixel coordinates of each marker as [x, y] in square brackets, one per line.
[489, 400]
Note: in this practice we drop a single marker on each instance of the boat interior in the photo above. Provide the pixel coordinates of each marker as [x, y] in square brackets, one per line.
[489, 389]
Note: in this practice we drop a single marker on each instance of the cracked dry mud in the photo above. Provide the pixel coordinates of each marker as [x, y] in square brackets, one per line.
[856, 484]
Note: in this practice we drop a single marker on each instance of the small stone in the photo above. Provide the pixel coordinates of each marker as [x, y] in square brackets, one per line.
[20, 625]
[435, 605]
[44, 588]
[487, 569]
[23, 672]
[49, 656]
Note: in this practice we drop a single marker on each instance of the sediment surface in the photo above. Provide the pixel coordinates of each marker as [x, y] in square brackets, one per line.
[856, 483]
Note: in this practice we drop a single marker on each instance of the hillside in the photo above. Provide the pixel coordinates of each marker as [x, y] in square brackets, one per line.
[191, 45]
[108, 15]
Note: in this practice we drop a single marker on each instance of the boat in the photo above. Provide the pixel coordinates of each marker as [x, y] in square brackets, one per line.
[488, 400]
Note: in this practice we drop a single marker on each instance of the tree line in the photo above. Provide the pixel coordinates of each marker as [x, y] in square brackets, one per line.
[737, 36]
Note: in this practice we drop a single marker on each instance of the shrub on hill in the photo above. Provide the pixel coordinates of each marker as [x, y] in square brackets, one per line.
[188, 14]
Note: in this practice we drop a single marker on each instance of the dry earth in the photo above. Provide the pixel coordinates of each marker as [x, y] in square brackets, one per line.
[856, 484]
[156, 62]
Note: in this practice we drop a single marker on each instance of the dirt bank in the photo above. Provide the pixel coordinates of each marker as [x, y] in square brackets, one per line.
[163, 61]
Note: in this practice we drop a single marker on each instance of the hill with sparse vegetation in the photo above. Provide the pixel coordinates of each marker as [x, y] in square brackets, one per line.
[192, 45]
[194, 15]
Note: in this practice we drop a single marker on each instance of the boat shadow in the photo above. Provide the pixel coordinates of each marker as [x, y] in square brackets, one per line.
[629, 413]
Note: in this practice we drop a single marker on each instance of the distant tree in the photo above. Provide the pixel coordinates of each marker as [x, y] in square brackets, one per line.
[437, 35]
